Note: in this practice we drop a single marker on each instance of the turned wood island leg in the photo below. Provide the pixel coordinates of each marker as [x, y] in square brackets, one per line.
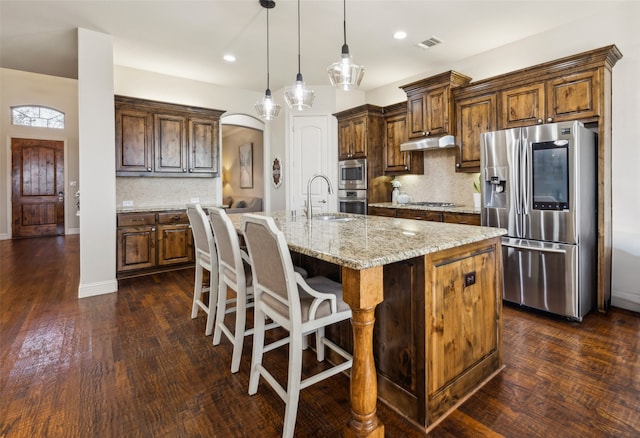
[363, 292]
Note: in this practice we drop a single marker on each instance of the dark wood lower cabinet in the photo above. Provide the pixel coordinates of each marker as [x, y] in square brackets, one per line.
[153, 242]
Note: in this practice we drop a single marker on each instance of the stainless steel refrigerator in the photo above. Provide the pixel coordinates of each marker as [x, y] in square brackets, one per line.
[539, 183]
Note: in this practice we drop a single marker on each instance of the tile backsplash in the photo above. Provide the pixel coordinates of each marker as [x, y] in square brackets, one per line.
[151, 192]
[440, 181]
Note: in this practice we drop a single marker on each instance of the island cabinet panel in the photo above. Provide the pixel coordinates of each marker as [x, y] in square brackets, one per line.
[461, 218]
[463, 320]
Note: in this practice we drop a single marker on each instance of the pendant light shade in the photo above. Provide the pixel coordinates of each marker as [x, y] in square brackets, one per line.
[345, 74]
[298, 96]
[267, 109]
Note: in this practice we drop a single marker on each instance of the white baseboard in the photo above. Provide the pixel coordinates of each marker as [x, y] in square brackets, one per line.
[625, 300]
[4, 236]
[97, 288]
[73, 231]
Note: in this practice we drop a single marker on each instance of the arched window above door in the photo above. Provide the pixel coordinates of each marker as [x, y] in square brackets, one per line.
[38, 116]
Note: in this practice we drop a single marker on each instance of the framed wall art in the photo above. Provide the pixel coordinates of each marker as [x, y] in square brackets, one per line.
[246, 166]
[276, 172]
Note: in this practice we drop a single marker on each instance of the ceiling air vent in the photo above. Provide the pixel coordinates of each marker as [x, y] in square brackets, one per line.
[428, 43]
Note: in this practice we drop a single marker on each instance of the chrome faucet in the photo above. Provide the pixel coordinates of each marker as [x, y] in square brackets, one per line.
[308, 210]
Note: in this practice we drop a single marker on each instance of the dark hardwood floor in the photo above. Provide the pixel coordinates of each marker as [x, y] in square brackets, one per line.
[134, 363]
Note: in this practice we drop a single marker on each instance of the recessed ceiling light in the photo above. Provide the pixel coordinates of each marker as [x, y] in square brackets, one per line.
[400, 35]
[229, 58]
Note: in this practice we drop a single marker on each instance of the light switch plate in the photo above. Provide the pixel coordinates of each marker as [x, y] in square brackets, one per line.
[127, 203]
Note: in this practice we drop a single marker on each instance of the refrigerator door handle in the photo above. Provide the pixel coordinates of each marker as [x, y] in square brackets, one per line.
[517, 175]
[535, 248]
[524, 174]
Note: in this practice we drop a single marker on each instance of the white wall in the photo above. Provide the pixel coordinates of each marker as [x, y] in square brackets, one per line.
[96, 120]
[23, 88]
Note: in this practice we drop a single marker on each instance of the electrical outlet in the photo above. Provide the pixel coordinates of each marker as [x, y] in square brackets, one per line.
[195, 200]
[469, 279]
[127, 203]
[73, 183]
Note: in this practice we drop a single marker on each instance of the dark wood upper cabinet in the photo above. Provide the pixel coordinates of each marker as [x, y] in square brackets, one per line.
[395, 160]
[134, 140]
[359, 130]
[474, 115]
[429, 108]
[163, 139]
[568, 97]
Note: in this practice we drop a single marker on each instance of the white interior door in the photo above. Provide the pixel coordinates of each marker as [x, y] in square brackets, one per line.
[311, 154]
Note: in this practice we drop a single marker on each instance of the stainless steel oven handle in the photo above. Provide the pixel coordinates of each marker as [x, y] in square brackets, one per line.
[352, 200]
[531, 248]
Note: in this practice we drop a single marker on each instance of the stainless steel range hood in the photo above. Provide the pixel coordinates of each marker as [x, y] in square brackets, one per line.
[448, 141]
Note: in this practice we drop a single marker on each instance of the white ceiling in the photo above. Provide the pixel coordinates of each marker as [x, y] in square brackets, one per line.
[188, 38]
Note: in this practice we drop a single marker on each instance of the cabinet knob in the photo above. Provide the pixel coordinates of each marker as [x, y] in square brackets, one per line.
[153, 229]
[549, 120]
[427, 133]
[184, 170]
[539, 121]
[148, 169]
[190, 170]
[457, 164]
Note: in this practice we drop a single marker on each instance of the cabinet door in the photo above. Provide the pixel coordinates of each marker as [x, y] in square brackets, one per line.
[474, 116]
[359, 139]
[345, 139]
[573, 97]
[203, 146]
[174, 244]
[136, 248]
[437, 111]
[522, 106]
[134, 139]
[170, 144]
[462, 314]
[416, 116]
[396, 131]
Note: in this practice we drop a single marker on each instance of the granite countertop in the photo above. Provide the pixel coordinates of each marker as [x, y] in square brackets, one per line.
[469, 209]
[367, 241]
[152, 208]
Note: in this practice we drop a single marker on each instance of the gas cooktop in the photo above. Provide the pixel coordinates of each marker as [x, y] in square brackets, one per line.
[433, 204]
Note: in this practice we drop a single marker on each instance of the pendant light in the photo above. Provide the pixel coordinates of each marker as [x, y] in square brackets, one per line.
[298, 96]
[345, 74]
[267, 109]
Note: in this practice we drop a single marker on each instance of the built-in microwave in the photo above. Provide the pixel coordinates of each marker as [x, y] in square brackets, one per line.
[352, 174]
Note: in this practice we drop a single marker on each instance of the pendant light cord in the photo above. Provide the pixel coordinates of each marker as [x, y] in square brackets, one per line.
[299, 37]
[267, 49]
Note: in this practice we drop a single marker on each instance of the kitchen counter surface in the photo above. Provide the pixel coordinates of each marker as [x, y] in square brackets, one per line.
[367, 241]
[457, 209]
[150, 208]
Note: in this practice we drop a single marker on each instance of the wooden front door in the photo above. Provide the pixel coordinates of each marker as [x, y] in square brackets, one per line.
[38, 187]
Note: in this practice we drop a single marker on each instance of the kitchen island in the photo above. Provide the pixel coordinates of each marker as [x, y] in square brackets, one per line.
[450, 277]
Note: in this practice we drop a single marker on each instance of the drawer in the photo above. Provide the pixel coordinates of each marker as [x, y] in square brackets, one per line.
[175, 217]
[134, 219]
[462, 218]
[381, 211]
[421, 215]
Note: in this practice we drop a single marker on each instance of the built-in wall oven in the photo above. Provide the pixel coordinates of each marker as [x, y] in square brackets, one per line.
[352, 174]
[352, 201]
